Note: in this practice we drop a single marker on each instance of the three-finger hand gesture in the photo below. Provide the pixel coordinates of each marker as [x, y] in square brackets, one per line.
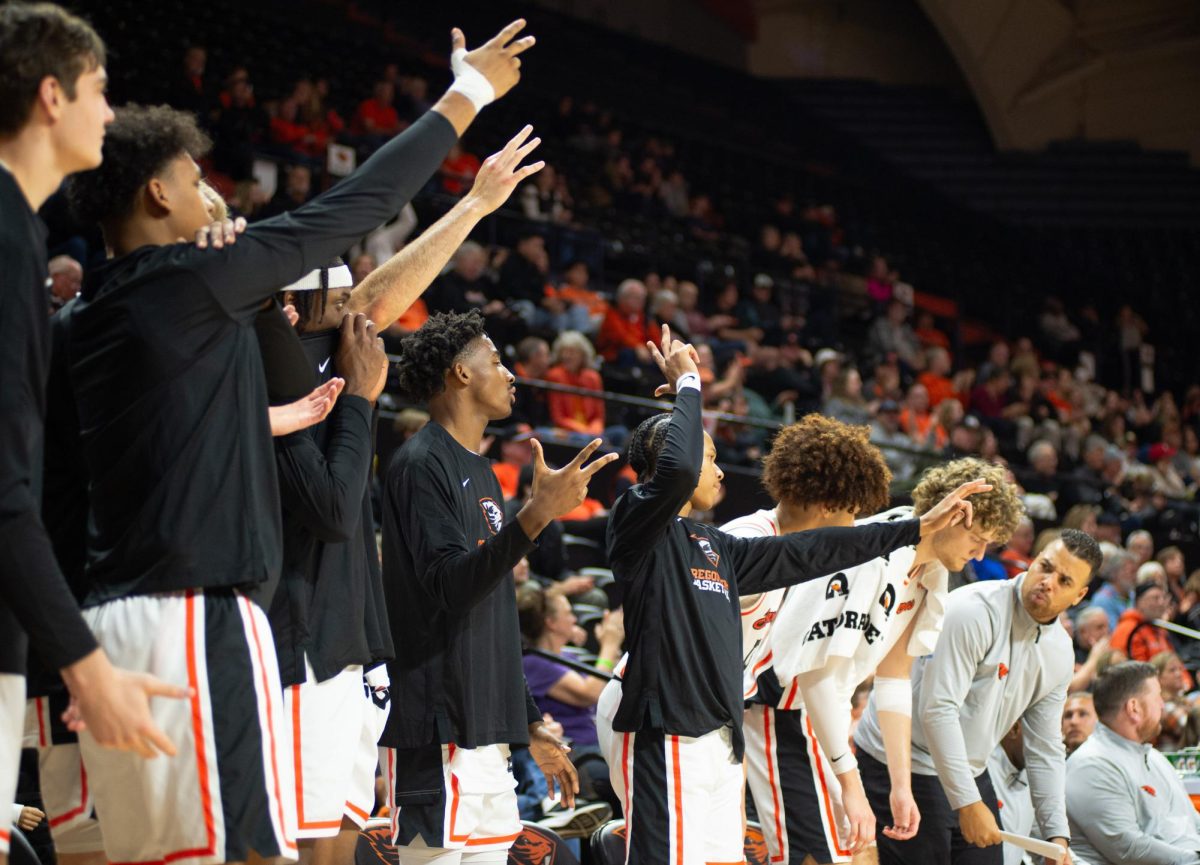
[498, 60]
[558, 491]
[502, 172]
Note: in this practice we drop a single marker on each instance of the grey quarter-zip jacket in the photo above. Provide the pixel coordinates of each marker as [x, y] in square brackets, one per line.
[1125, 803]
[994, 665]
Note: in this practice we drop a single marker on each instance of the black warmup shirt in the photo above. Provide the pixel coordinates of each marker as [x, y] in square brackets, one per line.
[34, 597]
[682, 579]
[447, 572]
[169, 385]
[330, 602]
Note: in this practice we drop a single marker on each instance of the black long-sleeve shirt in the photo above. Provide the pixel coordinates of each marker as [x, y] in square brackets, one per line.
[34, 597]
[682, 579]
[330, 603]
[448, 556]
[169, 385]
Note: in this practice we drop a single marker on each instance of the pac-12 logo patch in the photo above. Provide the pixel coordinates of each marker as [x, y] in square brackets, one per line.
[492, 513]
[706, 547]
[837, 585]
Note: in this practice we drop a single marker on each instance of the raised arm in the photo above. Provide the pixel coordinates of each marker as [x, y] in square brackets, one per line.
[392, 288]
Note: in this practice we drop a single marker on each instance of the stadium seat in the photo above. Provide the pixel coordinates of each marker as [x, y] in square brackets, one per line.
[20, 851]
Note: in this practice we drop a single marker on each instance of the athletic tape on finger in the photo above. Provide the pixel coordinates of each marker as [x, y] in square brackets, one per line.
[470, 82]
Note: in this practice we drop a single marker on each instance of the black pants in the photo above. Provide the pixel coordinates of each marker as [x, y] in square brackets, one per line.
[938, 840]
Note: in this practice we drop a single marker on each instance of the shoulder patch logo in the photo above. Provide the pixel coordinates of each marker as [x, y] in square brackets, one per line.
[492, 513]
[905, 607]
[706, 547]
[1003, 671]
[888, 600]
[1149, 790]
[837, 585]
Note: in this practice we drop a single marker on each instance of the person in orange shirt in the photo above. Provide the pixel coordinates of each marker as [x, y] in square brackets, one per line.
[1136, 635]
[936, 377]
[626, 328]
[573, 358]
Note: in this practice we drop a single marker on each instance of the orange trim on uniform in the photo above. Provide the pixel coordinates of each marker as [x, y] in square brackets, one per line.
[791, 697]
[4, 835]
[479, 842]
[678, 802]
[816, 756]
[298, 770]
[83, 798]
[41, 721]
[771, 781]
[356, 811]
[466, 839]
[266, 685]
[762, 596]
[762, 662]
[625, 758]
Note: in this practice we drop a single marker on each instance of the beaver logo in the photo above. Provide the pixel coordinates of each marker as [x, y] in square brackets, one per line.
[707, 548]
[887, 600]
[492, 513]
[532, 848]
[837, 586]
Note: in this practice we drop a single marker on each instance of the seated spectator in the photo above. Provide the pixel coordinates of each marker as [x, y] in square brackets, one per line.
[376, 118]
[240, 127]
[965, 438]
[915, 418]
[412, 97]
[546, 198]
[760, 311]
[880, 282]
[532, 361]
[1042, 476]
[724, 321]
[1018, 552]
[1188, 615]
[1140, 545]
[1136, 636]
[1180, 721]
[191, 90]
[1125, 802]
[548, 623]
[626, 327]
[525, 275]
[575, 290]
[890, 334]
[697, 325]
[888, 435]
[1078, 721]
[846, 403]
[936, 377]
[885, 385]
[458, 170]
[466, 286]
[573, 365]
[294, 191]
[1091, 640]
[928, 334]
[1082, 517]
[1174, 569]
[515, 454]
[1119, 572]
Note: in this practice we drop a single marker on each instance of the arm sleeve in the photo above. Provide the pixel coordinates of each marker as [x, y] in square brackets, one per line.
[31, 583]
[944, 686]
[762, 564]
[1046, 762]
[324, 491]
[645, 511]
[828, 709]
[1101, 806]
[277, 251]
[455, 572]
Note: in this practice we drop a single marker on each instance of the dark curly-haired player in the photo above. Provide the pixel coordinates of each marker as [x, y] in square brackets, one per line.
[185, 520]
[670, 724]
[808, 647]
[459, 694]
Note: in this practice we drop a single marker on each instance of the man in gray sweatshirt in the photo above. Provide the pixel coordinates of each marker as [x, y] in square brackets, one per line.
[1002, 658]
[1125, 803]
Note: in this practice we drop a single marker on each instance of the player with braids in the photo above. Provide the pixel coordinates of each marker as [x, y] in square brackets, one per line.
[670, 723]
[460, 697]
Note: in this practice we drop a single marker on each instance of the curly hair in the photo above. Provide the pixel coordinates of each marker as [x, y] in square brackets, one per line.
[427, 354]
[645, 444]
[138, 145]
[822, 461]
[997, 512]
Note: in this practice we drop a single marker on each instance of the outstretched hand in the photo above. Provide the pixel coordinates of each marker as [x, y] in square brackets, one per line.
[306, 411]
[558, 491]
[954, 508]
[675, 358]
[497, 60]
[502, 172]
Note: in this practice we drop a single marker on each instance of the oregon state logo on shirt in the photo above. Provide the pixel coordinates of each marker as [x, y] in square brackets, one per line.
[492, 513]
[887, 600]
[837, 585]
[706, 547]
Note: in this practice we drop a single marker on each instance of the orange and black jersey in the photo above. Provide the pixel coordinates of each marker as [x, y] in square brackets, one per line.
[448, 557]
[682, 580]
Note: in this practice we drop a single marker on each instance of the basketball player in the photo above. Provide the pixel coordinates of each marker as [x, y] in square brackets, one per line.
[1002, 658]
[169, 388]
[459, 694]
[671, 722]
[824, 639]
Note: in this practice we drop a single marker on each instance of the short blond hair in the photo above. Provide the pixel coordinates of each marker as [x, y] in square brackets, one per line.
[997, 512]
[574, 339]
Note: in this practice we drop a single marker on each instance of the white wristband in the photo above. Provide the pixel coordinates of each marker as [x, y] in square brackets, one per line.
[470, 82]
[688, 379]
[893, 695]
[844, 763]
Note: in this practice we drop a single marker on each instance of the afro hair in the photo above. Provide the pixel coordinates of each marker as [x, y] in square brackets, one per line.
[822, 461]
[138, 145]
[427, 355]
